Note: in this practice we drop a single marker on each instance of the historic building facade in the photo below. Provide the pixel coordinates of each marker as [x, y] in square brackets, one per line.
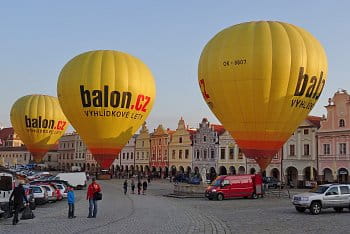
[231, 160]
[205, 150]
[180, 149]
[300, 153]
[334, 140]
[159, 160]
[142, 150]
[8, 138]
[71, 152]
[126, 157]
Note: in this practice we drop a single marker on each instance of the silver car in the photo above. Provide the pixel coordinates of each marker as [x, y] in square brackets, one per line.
[336, 196]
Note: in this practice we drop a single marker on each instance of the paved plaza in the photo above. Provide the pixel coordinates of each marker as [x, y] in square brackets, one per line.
[154, 213]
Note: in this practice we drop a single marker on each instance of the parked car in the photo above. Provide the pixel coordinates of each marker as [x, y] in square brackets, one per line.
[51, 192]
[272, 182]
[40, 194]
[7, 184]
[30, 197]
[235, 186]
[336, 196]
[63, 189]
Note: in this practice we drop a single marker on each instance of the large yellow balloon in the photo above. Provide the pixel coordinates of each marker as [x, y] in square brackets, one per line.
[39, 122]
[106, 95]
[261, 79]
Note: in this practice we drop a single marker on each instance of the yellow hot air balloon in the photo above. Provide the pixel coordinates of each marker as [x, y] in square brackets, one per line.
[106, 95]
[261, 79]
[39, 122]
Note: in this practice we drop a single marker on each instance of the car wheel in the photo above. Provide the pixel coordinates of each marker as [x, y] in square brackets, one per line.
[300, 209]
[210, 198]
[338, 209]
[255, 196]
[220, 197]
[275, 186]
[315, 208]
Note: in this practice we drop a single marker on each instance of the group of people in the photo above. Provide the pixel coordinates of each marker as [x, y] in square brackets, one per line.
[141, 187]
[93, 195]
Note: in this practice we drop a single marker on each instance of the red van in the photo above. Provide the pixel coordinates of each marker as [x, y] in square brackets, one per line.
[235, 186]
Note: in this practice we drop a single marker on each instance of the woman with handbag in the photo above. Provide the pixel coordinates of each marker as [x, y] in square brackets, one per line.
[93, 195]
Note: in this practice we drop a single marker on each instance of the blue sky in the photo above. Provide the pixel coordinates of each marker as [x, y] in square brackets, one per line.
[38, 37]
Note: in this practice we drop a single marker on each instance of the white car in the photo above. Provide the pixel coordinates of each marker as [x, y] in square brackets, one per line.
[63, 189]
[75, 179]
[40, 194]
[51, 192]
[336, 196]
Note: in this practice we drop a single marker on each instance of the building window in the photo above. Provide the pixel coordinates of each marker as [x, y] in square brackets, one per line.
[49, 158]
[204, 138]
[160, 141]
[222, 153]
[143, 143]
[137, 155]
[342, 148]
[197, 154]
[275, 156]
[131, 155]
[180, 154]
[205, 152]
[291, 150]
[127, 156]
[212, 153]
[240, 154]
[306, 131]
[146, 156]
[306, 149]
[180, 140]
[187, 152]
[123, 155]
[326, 149]
[25, 157]
[341, 123]
[173, 154]
[143, 154]
[232, 152]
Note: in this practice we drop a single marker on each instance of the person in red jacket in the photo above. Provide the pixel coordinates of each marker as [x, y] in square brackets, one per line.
[92, 189]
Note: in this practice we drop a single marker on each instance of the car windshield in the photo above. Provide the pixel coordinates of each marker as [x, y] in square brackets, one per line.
[59, 186]
[216, 182]
[320, 189]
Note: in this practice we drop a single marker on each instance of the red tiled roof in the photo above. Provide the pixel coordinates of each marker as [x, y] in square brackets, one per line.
[5, 132]
[315, 120]
[218, 128]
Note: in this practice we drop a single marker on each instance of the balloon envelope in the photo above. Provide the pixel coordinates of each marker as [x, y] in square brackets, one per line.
[106, 95]
[39, 122]
[261, 79]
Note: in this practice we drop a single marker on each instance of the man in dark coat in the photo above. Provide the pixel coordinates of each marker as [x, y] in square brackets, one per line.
[18, 195]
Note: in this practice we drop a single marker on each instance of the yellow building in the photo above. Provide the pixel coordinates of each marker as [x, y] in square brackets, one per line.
[180, 149]
[142, 150]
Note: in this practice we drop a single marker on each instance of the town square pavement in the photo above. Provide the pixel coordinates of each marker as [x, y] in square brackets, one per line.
[155, 213]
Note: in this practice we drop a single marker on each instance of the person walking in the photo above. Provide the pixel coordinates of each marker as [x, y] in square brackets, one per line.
[71, 201]
[144, 187]
[91, 196]
[125, 186]
[18, 195]
[139, 187]
[132, 186]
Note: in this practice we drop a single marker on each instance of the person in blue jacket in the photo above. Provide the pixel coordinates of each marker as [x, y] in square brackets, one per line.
[71, 200]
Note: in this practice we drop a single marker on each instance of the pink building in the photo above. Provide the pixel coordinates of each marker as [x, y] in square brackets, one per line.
[334, 140]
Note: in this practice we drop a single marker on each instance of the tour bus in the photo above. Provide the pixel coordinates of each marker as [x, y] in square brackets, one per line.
[7, 184]
[235, 186]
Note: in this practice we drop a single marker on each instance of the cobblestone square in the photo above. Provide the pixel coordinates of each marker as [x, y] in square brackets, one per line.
[154, 213]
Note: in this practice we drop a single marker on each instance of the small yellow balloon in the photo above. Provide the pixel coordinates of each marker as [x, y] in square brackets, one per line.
[261, 79]
[106, 95]
[39, 122]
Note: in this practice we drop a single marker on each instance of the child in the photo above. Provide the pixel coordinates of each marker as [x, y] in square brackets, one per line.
[71, 200]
